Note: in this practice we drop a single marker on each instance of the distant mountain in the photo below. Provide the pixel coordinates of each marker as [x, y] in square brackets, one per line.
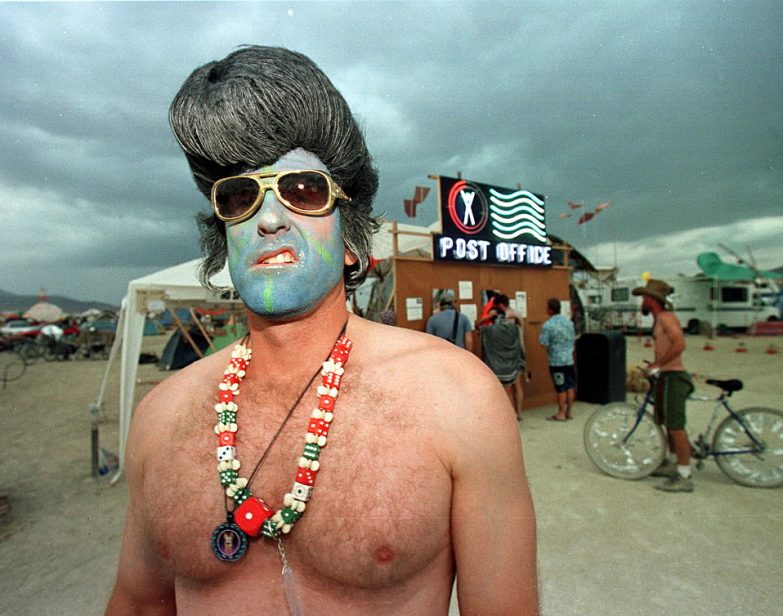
[11, 302]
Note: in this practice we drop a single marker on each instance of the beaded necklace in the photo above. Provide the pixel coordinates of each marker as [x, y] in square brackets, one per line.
[251, 515]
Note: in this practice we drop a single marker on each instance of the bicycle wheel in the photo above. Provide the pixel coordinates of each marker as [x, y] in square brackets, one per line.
[635, 458]
[757, 470]
[12, 366]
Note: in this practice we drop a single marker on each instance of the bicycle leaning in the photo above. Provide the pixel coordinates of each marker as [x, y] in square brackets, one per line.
[623, 440]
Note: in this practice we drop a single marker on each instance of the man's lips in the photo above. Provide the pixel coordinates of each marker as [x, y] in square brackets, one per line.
[284, 256]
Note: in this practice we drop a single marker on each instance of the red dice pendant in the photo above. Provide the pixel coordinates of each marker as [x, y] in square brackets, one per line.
[251, 515]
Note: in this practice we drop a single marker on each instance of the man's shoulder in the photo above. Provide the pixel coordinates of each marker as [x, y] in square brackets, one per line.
[668, 319]
[403, 353]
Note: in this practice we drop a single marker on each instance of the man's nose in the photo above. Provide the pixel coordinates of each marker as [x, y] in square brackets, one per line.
[272, 217]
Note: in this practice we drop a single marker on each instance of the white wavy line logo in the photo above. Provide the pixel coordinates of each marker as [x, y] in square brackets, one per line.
[515, 214]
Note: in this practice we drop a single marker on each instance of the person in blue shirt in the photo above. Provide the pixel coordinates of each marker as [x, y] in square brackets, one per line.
[451, 325]
[558, 336]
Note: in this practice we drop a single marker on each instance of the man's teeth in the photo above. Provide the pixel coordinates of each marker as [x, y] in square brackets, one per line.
[283, 257]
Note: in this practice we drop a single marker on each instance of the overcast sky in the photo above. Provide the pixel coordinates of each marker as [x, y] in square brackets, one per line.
[671, 111]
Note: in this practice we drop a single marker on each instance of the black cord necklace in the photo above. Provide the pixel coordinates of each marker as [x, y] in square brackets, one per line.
[229, 542]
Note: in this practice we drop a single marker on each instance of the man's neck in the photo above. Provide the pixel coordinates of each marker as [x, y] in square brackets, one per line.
[657, 309]
[298, 344]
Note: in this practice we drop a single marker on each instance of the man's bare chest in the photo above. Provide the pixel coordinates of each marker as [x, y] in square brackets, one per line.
[379, 510]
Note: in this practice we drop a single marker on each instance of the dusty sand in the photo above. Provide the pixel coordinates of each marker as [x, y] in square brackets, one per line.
[605, 546]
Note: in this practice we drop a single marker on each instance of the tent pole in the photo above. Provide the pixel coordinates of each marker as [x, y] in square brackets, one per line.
[201, 328]
[185, 333]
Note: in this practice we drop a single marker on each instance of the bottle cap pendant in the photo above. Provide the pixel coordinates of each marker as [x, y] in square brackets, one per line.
[228, 542]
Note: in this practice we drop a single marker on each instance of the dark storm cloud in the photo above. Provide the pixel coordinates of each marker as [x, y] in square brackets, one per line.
[669, 110]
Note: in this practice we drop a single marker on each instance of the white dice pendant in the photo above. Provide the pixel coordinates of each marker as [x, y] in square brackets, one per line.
[302, 492]
[227, 452]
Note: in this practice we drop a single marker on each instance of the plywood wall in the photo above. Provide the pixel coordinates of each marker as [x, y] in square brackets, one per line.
[415, 278]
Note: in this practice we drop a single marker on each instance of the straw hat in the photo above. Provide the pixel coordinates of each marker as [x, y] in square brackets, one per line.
[655, 288]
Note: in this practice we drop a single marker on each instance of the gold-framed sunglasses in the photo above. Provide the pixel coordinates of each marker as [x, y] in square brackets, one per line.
[304, 191]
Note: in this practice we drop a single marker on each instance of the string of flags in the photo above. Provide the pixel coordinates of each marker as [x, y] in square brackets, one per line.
[420, 194]
[585, 216]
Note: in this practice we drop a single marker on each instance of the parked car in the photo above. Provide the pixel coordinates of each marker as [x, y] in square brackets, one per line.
[20, 327]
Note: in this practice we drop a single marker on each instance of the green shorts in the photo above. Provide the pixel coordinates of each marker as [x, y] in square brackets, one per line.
[671, 391]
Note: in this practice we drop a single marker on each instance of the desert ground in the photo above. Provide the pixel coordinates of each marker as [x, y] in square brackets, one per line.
[606, 546]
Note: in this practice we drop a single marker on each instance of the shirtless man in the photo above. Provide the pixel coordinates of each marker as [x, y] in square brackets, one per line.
[422, 479]
[673, 385]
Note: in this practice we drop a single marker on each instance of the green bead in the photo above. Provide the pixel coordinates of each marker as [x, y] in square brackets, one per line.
[241, 495]
[270, 530]
[227, 417]
[311, 451]
[228, 477]
[289, 515]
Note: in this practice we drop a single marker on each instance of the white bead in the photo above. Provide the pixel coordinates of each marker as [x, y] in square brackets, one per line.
[286, 528]
[328, 416]
[321, 440]
[301, 491]
[317, 414]
[241, 482]
[315, 465]
[226, 452]
[288, 500]
[304, 462]
[310, 438]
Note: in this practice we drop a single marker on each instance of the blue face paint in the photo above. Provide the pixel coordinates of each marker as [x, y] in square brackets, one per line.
[282, 263]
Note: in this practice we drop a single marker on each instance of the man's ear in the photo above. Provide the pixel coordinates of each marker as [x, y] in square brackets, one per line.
[350, 259]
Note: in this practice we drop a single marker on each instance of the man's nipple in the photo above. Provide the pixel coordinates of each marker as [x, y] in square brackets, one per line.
[384, 555]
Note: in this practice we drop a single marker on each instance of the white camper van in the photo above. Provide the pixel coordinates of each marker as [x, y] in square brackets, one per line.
[698, 302]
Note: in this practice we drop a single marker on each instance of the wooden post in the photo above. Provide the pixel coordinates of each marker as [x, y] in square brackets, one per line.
[395, 240]
[201, 329]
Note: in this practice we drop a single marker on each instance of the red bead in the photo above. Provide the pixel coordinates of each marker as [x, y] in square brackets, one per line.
[305, 476]
[251, 515]
[225, 396]
[326, 403]
[332, 380]
[318, 427]
[339, 357]
[231, 379]
[239, 363]
[226, 438]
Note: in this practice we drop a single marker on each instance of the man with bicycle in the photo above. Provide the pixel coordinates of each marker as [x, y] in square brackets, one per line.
[673, 385]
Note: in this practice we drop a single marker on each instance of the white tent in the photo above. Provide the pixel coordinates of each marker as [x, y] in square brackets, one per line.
[179, 285]
[168, 288]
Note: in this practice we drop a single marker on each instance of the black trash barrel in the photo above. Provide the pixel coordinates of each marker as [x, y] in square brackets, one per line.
[600, 367]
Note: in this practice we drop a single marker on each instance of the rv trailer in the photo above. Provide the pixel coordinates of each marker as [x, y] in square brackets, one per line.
[700, 303]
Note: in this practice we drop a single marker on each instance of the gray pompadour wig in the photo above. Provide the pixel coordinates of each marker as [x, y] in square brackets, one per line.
[249, 109]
